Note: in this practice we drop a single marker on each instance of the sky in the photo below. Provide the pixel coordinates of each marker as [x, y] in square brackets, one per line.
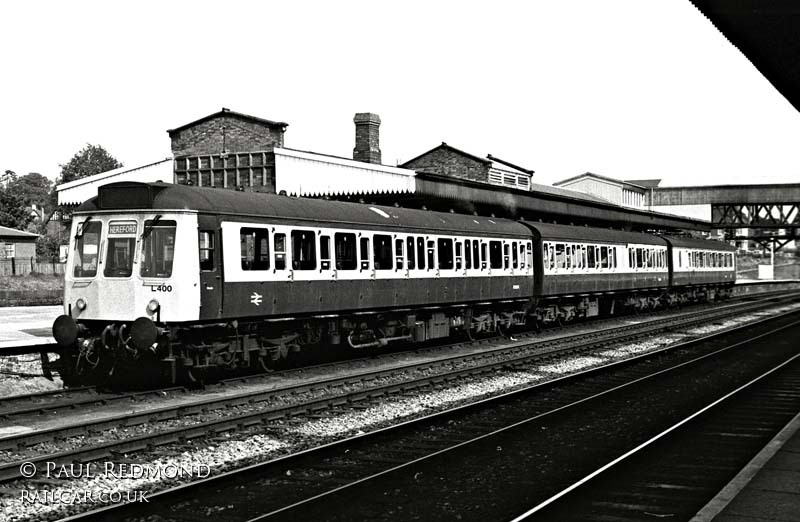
[627, 89]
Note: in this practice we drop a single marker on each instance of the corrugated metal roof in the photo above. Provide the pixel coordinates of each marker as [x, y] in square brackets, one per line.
[303, 210]
[572, 233]
[6, 232]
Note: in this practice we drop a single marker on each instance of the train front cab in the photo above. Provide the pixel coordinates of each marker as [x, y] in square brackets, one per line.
[126, 273]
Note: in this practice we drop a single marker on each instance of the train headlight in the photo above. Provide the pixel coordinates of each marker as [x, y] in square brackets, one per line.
[80, 304]
[153, 306]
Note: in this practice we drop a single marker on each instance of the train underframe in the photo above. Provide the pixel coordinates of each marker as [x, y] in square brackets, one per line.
[114, 354]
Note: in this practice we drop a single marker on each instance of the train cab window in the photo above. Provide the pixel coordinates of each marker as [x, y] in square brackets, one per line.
[158, 248]
[119, 256]
[410, 253]
[484, 255]
[206, 240]
[254, 248]
[382, 252]
[280, 251]
[445, 253]
[495, 254]
[468, 254]
[364, 251]
[421, 253]
[325, 252]
[344, 246]
[87, 248]
[459, 255]
[304, 250]
[431, 254]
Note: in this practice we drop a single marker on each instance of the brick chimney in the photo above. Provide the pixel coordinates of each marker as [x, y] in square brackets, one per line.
[367, 147]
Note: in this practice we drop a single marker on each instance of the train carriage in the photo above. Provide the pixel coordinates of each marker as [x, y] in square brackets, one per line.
[699, 266]
[583, 269]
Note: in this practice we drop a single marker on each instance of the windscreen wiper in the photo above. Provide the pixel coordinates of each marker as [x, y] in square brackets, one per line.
[149, 228]
[84, 226]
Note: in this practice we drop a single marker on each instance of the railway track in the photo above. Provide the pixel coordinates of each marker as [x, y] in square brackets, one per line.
[259, 406]
[485, 464]
[322, 408]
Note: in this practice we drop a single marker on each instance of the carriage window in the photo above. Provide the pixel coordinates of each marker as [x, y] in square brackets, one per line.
[345, 246]
[410, 253]
[459, 254]
[158, 248]
[476, 256]
[325, 252]
[206, 249]
[398, 246]
[505, 256]
[421, 253]
[590, 257]
[280, 251]
[431, 253]
[495, 254]
[254, 248]
[529, 255]
[468, 254]
[382, 252]
[484, 255]
[304, 250]
[603, 261]
[445, 253]
[364, 243]
[567, 256]
[584, 263]
[545, 255]
[561, 260]
[514, 256]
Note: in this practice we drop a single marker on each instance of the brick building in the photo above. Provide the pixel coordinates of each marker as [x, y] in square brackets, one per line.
[447, 160]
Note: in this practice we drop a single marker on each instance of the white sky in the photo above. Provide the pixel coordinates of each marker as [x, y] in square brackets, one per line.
[627, 89]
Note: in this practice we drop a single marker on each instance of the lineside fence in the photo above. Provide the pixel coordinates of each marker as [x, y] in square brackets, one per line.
[20, 266]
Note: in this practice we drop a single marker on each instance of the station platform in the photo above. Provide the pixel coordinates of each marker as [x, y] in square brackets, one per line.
[767, 489]
[27, 325]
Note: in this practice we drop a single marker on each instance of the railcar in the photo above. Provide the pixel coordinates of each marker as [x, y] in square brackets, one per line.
[700, 269]
[585, 272]
[198, 279]
[170, 282]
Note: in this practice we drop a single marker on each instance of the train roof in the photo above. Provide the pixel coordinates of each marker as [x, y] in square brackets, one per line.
[166, 196]
[549, 231]
[706, 244]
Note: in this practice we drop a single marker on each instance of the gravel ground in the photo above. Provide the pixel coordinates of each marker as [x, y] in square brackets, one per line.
[282, 437]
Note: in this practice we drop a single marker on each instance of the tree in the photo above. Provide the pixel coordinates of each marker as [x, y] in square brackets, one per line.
[33, 188]
[12, 210]
[92, 159]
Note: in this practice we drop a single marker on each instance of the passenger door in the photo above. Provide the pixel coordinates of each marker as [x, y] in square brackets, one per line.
[210, 262]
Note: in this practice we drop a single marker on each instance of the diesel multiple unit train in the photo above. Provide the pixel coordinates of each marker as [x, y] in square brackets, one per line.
[197, 280]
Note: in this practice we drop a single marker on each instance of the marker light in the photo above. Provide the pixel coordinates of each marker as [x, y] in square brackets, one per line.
[153, 306]
[81, 304]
